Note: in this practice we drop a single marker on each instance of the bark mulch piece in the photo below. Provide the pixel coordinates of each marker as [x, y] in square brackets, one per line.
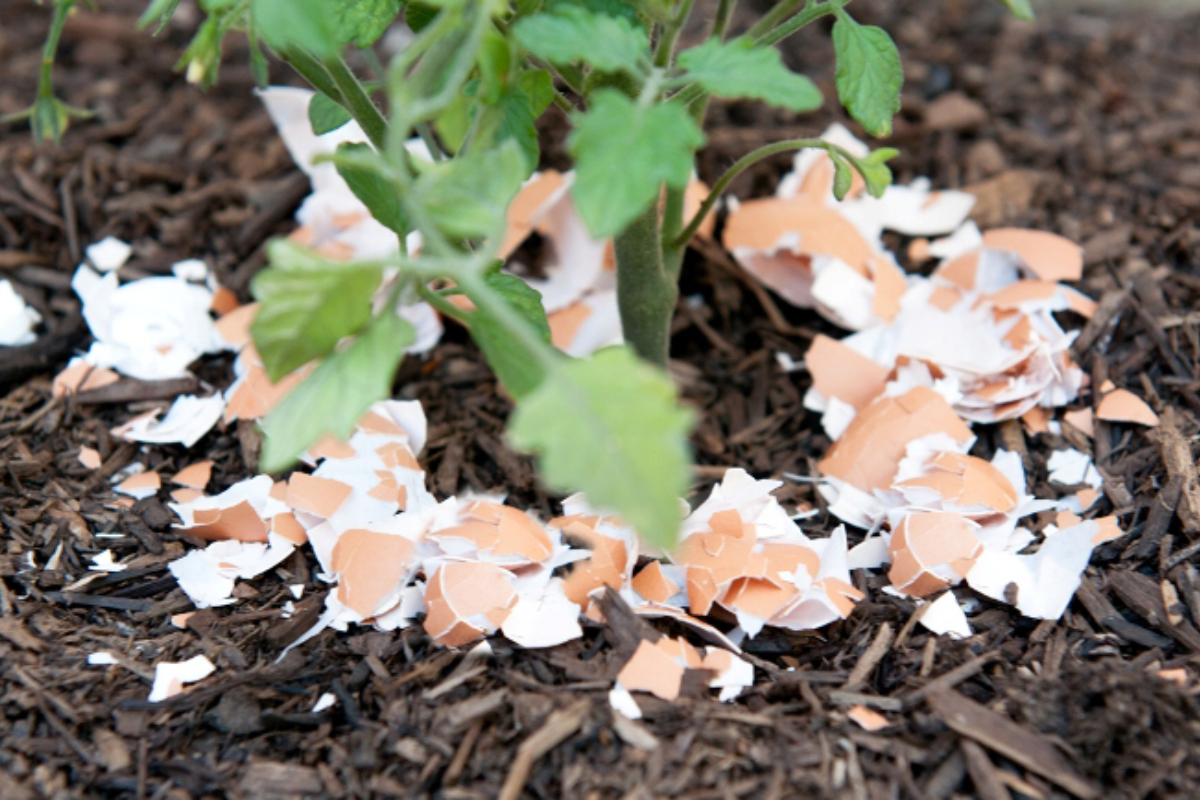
[1085, 125]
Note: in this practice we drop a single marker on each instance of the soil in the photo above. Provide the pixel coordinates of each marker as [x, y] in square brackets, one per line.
[1086, 125]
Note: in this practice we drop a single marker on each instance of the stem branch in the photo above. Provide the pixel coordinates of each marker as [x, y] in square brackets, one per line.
[745, 162]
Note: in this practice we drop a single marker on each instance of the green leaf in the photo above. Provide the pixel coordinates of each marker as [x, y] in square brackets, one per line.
[624, 9]
[519, 373]
[571, 34]
[875, 171]
[309, 304]
[375, 191]
[296, 23]
[1021, 9]
[869, 75]
[611, 426]
[843, 175]
[538, 85]
[418, 16]
[364, 21]
[159, 11]
[337, 394]
[326, 114]
[468, 195]
[624, 153]
[739, 69]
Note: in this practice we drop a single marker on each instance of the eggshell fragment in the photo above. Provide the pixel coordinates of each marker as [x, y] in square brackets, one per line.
[1121, 405]
[90, 458]
[170, 677]
[1049, 256]
[370, 565]
[651, 669]
[195, 476]
[141, 485]
[932, 550]
[841, 372]
[869, 452]
[867, 719]
[466, 601]
[653, 585]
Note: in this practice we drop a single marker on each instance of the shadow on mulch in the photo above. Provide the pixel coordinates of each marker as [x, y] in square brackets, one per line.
[1084, 125]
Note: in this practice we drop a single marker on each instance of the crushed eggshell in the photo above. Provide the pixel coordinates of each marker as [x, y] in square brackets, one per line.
[194, 476]
[17, 319]
[171, 677]
[868, 719]
[186, 422]
[1121, 405]
[140, 486]
[90, 457]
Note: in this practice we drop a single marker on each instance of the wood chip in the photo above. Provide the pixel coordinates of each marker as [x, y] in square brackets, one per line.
[1021, 744]
[559, 727]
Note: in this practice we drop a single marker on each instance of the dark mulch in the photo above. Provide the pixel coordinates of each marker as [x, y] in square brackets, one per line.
[1084, 125]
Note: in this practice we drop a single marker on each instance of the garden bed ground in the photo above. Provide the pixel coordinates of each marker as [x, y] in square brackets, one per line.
[1088, 126]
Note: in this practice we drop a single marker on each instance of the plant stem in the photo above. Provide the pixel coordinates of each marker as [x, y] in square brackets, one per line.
[740, 166]
[45, 87]
[646, 291]
[721, 20]
[664, 53]
[442, 304]
[778, 13]
[811, 13]
[358, 102]
[312, 71]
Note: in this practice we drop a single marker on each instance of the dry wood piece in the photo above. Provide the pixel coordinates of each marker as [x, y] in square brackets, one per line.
[560, 726]
[277, 779]
[870, 657]
[1177, 458]
[983, 772]
[1024, 746]
[1162, 511]
[129, 390]
[951, 678]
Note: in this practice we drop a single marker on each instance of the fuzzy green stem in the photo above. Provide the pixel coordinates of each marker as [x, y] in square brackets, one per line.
[45, 86]
[721, 20]
[740, 166]
[646, 289]
[442, 304]
[358, 102]
[312, 71]
[778, 13]
[664, 53]
[811, 13]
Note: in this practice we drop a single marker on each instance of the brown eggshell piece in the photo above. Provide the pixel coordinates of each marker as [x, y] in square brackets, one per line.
[195, 476]
[234, 325]
[90, 457]
[929, 539]
[761, 224]
[239, 521]
[653, 585]
[1048, 255]
[652, 670]
[319, 496]
[458, 591]
[841, 372]
[1081, 419]
[1121, 405]
[606, 567]
[398, 454]
[869, 452]
[370, 565]
[143, 480]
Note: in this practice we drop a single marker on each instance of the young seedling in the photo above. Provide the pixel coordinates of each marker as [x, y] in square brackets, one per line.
[472, 84]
